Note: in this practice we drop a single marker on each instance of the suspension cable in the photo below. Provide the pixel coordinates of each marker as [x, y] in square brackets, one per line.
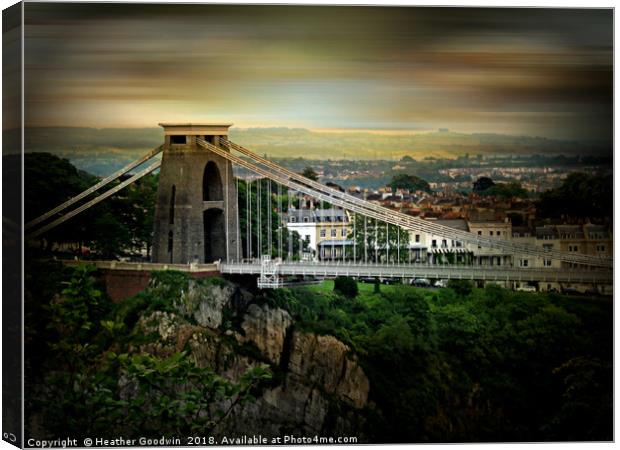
[279, 210]
[289, 234]
[94, 201]
[300, 221]
[258, 220]
[238, 223]
[269, 217]
[365, 236]
[354, 237]
[107, 180]
[249, 213]
[383, 214]
[418, 224]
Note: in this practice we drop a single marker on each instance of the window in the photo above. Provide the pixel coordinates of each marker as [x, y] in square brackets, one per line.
[172, 200]
[573, 248]
[444, 243]
[170, 242]
[491, 233]
[417, 238]
[434, 243]
[306, 219]
[293, 219]
[600, 248]
[343, 232]
[322, 233]
[547, 246]
[307, 238]
[334, 232]
[178, 140]
[547, 263]
[524, 262]
[479, 233]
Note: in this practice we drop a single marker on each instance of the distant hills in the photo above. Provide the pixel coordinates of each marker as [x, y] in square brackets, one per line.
[97, 149]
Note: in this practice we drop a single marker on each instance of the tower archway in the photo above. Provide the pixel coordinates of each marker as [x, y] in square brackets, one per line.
[214, 235]
[212, 183]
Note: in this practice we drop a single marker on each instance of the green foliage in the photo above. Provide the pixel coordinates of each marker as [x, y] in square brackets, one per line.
[587, 409]
[580, 195]
[377, 286]
[506, 190]
[122, 224]
[455, 364]
[112, 235]
[467, 364]
[376, 241]
[91, 381]
[411, 182]
[462, 288]
[482, 184]
[176, 397]
[346, 286]
[290, 240]
[310, 173]
[74, 317]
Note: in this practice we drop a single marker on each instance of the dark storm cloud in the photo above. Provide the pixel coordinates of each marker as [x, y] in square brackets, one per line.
[527, 71]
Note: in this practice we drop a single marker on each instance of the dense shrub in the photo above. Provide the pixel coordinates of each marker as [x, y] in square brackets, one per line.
[461, 287]
[467, 364]
[346, 286]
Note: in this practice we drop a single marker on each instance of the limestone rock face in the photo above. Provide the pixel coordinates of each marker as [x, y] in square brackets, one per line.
[324, 360]
[206, 304]
[266, 328]
[320, 388]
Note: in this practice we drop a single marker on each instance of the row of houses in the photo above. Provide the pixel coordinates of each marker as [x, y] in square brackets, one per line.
[331, 235]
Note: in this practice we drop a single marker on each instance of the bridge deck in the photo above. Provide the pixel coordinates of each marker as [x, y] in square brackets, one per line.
[329, 269]
[501, 273]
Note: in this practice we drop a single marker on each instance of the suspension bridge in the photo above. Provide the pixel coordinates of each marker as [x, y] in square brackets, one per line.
[202, 220]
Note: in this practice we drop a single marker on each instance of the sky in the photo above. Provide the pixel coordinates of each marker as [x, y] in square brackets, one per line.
[537, 72]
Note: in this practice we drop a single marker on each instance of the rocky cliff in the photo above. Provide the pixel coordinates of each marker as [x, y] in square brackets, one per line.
[318, 388]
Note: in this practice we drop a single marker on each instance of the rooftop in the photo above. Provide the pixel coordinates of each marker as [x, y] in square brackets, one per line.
[199, 129]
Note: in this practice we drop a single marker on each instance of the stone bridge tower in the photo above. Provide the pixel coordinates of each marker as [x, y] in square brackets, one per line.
[196, 213]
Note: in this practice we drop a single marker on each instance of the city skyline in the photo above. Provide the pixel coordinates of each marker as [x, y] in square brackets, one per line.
[535, 72]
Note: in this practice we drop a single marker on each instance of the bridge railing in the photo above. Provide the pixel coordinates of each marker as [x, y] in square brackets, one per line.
[487, 273]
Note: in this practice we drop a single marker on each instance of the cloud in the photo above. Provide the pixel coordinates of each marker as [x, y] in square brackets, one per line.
[484, 69]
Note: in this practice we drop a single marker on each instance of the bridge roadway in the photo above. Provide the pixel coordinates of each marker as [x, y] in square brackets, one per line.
[333, 269]
[495, 273]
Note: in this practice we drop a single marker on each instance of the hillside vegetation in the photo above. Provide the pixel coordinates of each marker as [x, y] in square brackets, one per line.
[459, 364]
[100, 150]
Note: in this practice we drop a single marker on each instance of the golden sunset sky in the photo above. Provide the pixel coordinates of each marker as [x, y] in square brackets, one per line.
[543, 72]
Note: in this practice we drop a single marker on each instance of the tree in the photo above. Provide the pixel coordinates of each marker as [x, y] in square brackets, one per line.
[380, 242]
[291, 240]
[346, 286]
[122, 223]
[50, 181]
[580, 195]
[94, 382]
[505, 190]
[310, 173]
[410, 182]
[461, 287]
[482, 184]
[113, 236]
[140, 200]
